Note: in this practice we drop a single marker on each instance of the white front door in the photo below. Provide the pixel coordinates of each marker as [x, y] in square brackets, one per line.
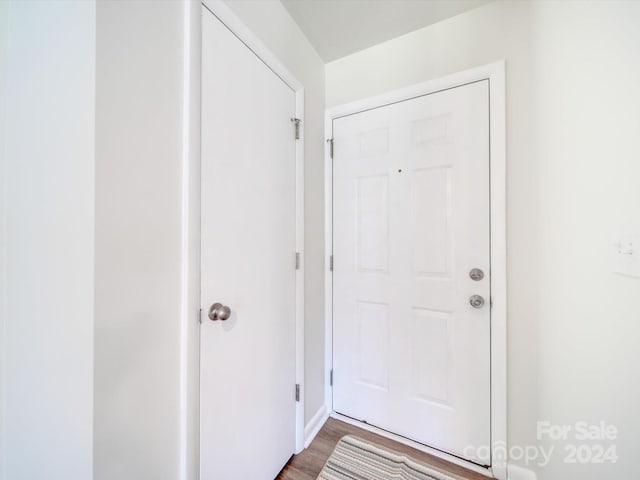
[247, 362]
[411, 221]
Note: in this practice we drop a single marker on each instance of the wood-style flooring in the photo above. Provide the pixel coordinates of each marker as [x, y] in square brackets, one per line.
[308, 464]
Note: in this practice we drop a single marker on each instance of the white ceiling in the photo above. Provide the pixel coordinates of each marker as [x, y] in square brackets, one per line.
[337, 28]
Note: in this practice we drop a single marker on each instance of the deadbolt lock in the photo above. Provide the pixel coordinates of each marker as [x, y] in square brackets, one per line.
[476, 274]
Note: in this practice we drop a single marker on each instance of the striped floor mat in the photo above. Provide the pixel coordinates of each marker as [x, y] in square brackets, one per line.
[356, 459]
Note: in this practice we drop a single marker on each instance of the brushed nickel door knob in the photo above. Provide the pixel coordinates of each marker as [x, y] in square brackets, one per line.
[476, 301]
[217, 311]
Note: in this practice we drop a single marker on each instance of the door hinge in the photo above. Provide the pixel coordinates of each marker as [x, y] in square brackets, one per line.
[297, 260]
[331, 263]
[297, 392]
[200, 315]
[331, 377]
[330, 142]
[296, 122]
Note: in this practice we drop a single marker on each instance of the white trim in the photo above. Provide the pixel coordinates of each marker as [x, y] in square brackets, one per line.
[498, 142]
[220, 10]
[189, 399]
[520, 473]
[410, 443]
[328, 279]
[300, 272]
[495, 73]
[315, 425]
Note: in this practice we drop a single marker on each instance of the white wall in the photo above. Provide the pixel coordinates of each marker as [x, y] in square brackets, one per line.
[4, 37]
[145, 156]
[587, 119]
[273, 25]
[572, 174]
[147, 239]
[47, 86]
[146, 232]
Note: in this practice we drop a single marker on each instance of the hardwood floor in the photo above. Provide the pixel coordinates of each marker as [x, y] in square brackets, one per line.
[308, 464]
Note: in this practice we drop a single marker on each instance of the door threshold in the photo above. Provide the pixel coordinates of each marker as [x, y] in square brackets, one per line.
[413, 444]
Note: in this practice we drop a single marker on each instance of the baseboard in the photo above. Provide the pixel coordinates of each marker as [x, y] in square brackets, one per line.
[514, 472]
[315, 424]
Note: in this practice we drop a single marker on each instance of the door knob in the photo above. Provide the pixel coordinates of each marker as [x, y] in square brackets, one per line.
[476, 301]
[217, 311]
[476, 274]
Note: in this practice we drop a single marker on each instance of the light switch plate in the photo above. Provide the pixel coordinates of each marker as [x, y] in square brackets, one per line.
[626, 252]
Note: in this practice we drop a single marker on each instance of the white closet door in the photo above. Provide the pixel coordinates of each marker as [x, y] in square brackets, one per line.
[247, 364]
[411, 220]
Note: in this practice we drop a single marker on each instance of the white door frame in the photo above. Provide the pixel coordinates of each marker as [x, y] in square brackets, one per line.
[495, 73]
[220, 10]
